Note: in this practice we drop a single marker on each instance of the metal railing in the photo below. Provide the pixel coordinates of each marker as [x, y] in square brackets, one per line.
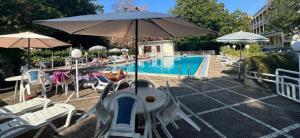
[287, 82]
[261, 76]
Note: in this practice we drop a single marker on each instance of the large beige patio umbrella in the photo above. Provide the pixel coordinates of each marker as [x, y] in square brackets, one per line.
[29, 40]
[133, 24]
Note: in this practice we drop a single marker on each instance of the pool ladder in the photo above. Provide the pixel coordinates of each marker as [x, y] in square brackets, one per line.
[180, 71]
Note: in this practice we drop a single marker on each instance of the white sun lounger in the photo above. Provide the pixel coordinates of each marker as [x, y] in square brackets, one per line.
[23, 123]
[24, 107]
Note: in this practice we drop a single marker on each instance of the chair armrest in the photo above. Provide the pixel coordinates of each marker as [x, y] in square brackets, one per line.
[104, 129]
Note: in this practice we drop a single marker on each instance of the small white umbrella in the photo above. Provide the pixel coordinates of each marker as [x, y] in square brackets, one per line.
[115, 50]
[124, 50]
[97, 48]
[242, 38]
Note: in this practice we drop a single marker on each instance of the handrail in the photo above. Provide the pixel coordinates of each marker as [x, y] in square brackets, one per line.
[189, 72]
[288, 71]
[258, 77]
[179, 71]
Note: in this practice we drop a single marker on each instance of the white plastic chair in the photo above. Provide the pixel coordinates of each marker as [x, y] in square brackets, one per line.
[24, 107]
[23, 123]
[103, 116]
[143, 83]
[99, 110]
[123, 121]
[64, 81]
[168, 114]
[35, 81]
[116, 85]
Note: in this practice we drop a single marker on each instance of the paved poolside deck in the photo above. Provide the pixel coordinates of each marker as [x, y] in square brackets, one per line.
[225, 106]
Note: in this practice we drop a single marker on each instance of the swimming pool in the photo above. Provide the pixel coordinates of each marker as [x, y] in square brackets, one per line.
[166, 65]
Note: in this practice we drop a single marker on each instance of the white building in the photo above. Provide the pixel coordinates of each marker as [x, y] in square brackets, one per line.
[157, 48]
[258, 25]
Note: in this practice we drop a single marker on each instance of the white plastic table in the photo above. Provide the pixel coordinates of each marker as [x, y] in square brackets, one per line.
[161, 99]
[16, 79]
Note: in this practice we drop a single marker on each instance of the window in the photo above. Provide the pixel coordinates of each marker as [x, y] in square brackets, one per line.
[158, 49]
[147, 49]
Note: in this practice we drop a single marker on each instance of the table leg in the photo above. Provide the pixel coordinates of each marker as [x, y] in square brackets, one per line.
[21, 94]
[150, 131]
[16, 89]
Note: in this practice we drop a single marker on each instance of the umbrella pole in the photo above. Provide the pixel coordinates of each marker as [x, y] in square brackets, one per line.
[28, 52]
[136, 55]
[240, 61]
[52, 60]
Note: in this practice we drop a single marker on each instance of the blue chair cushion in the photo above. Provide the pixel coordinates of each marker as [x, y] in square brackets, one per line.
[33, 75]
[125, 110]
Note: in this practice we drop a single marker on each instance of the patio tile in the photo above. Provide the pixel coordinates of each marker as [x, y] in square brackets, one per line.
[187, 131]
[199, 103]
[284, 103]
[227, 97]
[268, 114]
[233, 79]
[223, 83]
[281, 136]
[84, 105]
[295, 133]
[235, 125]
[181, 90]
[252, 92]
[202, 86]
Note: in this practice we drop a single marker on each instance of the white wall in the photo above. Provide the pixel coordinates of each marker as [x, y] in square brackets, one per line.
[166, 48]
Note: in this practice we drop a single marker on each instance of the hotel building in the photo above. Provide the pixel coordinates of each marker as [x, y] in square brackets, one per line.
[258, 26]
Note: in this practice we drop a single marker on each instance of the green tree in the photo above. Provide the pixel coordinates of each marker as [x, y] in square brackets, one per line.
[284, 15]
[17, 15]
[213, 15]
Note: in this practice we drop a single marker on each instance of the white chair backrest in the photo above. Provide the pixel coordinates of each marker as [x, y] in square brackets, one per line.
[143, 83]
[123, 121]
[171, 95]
[34, 76]
[120, 82]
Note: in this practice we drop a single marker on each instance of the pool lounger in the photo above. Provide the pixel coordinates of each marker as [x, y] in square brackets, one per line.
[23, 123]
[24, 107]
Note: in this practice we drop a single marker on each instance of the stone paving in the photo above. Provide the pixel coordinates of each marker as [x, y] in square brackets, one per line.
[226, 108]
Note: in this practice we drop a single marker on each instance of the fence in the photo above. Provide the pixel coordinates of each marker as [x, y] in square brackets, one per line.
[205, 52]
[287, 82]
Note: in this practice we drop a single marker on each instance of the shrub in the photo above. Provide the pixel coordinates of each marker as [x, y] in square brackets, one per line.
[268, 63]
[254, 50]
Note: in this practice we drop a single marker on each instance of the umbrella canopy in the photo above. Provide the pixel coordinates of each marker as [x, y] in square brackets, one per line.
[127, 24]
[114, 50]
[94, 48]
[124, 50]
[242, 37]
[150, 24]
[29, 40]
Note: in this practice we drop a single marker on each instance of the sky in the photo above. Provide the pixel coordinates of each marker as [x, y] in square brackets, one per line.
[249, 6]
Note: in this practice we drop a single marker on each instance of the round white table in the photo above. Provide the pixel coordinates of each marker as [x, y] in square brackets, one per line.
[16, 79]
[160, 99]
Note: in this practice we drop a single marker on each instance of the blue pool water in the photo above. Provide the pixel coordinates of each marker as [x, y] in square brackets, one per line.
[165, 65]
